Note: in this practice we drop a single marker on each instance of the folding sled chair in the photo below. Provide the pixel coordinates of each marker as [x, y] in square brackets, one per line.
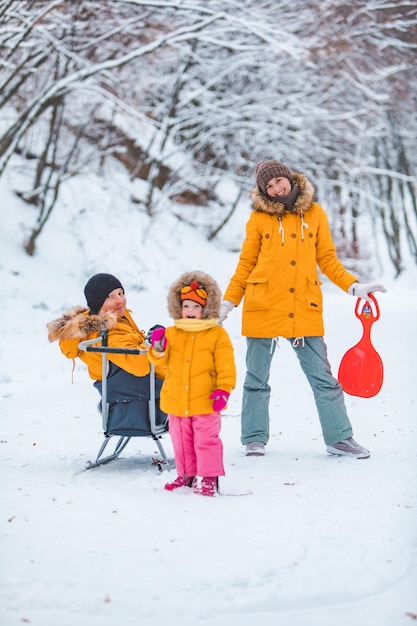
[129, 404]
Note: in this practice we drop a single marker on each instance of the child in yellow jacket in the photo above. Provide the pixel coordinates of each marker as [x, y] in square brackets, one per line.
[200, 374]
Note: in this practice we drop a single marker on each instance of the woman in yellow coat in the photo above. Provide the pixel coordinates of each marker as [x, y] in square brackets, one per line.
[287, 238]
[200, 374]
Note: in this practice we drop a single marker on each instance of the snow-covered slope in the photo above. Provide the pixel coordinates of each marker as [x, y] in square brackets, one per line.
[320, 541]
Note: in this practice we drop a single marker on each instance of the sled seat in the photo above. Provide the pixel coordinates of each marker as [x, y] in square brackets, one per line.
[129, 404]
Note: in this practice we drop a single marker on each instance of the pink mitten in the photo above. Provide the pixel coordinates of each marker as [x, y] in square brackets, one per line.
[158, 339]
[220, 398]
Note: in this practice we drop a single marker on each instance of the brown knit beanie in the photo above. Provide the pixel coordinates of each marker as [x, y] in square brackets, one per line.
[266, 170]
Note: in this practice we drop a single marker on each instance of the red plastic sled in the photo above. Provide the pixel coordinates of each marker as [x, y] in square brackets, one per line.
[361, 371]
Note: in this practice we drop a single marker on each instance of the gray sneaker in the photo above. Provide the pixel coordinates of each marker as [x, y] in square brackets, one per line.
[348, 447]
[255, 448]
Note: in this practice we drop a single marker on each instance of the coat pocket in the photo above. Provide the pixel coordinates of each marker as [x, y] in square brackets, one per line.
[314, 294]
[256, 294]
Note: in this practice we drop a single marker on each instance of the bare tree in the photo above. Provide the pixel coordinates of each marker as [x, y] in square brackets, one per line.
[327, 87]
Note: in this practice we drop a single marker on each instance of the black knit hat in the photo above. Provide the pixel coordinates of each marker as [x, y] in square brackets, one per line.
[98, 288]
[266, 170]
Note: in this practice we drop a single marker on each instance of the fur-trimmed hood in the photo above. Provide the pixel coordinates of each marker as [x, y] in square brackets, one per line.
[214, 296]
[272, 207]
[77, 324]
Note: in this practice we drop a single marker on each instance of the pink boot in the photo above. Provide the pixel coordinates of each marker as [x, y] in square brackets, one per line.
[206, 486]
[180, 481]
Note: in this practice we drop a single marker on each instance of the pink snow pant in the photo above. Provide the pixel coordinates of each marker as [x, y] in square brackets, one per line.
[198, 449]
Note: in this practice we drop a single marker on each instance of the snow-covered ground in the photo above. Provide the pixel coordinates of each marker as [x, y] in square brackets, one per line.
[320, 541]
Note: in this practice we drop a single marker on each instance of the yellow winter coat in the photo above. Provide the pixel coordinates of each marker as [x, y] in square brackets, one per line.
[277, 270]
[198, 360]
[77, 325]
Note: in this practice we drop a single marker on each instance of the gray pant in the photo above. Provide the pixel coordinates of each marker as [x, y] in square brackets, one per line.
[328, 393]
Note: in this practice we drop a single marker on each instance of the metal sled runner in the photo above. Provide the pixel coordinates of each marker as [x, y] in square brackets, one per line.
[129, 404]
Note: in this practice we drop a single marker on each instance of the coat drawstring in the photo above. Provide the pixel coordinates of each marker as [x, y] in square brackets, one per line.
[281, 230]
[304, 225]
[274, 344]
[297, 341]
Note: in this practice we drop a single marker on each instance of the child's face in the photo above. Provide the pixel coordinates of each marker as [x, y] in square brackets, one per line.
[278, 186]
[191, 310]
[115, 303]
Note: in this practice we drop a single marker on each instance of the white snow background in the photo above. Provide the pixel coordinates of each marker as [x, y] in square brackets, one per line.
[321, 540]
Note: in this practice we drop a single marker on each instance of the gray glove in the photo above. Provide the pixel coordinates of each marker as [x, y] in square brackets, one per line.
[225, 309]
[361, 290]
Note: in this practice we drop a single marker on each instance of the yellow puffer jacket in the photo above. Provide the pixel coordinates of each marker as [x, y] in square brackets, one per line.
[198, 360]
[77, 325]
[277, 270]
